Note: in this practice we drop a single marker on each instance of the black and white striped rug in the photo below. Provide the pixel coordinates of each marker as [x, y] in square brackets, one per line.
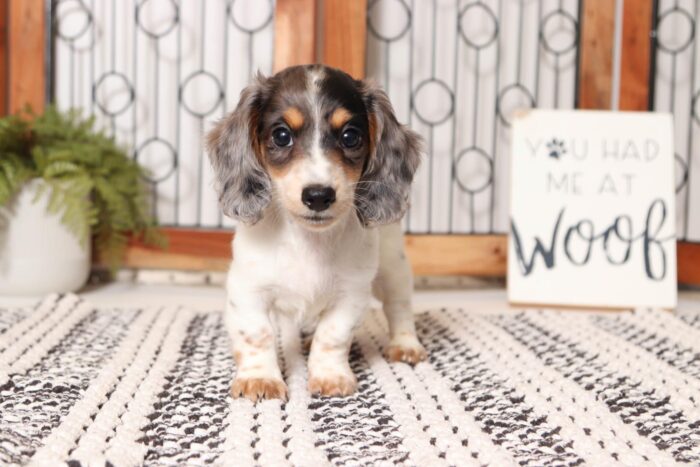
[135, 386]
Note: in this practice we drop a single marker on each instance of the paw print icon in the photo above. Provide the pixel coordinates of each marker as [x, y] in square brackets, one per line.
[556, 148]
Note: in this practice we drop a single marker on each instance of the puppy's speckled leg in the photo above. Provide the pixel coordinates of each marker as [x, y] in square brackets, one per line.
[329, 370]
[257, 372]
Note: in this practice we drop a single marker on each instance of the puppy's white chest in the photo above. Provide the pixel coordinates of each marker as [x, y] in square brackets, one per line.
[304, 283]
[300, 273]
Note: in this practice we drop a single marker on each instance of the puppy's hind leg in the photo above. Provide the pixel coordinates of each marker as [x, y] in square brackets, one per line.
[257, 372]
[394, 287]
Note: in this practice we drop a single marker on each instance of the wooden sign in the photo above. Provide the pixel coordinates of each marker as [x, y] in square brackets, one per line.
[592, 209]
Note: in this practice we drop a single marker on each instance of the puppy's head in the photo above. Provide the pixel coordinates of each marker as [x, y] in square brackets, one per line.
[316, 143]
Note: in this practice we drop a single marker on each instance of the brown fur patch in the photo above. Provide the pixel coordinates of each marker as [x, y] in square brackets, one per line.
[372, 130]
[306, 344]
[256, 389]
[324, 347]
[261, 341]
[253, 120]
[294, 118]
[410, 355]
[336, 385]
[280, 170]
[330, 345]
[352, 171]
[339, 117]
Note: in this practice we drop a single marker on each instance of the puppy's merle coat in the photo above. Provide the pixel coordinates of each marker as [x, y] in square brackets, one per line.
[317, 169]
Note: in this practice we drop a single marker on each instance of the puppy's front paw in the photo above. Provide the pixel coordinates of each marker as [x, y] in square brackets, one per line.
[336, 384]
[406, 350]
[259, 388]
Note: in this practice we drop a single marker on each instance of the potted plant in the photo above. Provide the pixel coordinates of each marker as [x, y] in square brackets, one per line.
[64, 187]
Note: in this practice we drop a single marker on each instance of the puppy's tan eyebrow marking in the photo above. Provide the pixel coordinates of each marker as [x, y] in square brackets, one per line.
[293, 117]
[339, 117]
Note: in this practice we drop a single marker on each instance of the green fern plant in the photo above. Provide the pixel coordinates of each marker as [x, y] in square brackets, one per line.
[91, 183]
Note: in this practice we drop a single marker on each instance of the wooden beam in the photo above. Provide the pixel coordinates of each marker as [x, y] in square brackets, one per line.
[295, 33]
[430, 255]
[596, 54]
[636, 50]
[3, 57]
[188, 249]
[345, 35]
[26, 53]
[457, 255]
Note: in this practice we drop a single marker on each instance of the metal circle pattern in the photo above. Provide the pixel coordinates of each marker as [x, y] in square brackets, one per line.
[62, 16]
[102, 85]
[197, 79]
[666, 18]
[406, 11]
[512, 89]
[170, 161]
[250, 29]
[682, 169]
[476, 42]
[441, 88]
[469, 155]
[547, 38]
[173, 21]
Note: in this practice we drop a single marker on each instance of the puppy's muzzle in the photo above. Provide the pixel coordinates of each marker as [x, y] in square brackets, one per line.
[317, 197]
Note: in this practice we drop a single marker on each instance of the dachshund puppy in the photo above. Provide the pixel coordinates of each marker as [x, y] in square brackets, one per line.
[317, 170]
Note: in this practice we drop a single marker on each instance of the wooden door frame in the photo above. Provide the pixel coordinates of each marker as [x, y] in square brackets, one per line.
[23, 75]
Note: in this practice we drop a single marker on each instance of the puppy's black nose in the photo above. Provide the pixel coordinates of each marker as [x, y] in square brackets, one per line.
[318, 198]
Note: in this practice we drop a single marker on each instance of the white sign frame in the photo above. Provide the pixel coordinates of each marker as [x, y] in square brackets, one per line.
[608, 177]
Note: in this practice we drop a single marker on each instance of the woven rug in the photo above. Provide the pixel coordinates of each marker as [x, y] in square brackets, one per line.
[149, 386]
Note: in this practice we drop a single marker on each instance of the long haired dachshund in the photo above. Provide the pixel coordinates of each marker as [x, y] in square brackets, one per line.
[317, 170]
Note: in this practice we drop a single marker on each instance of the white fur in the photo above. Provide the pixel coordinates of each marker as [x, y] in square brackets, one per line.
[322, 277]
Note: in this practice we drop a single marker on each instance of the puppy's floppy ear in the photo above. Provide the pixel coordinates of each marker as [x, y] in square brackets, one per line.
[241, 182]
[385, 184]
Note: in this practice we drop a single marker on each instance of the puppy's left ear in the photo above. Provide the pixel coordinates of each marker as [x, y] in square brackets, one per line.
[240, 179]
[385, 184]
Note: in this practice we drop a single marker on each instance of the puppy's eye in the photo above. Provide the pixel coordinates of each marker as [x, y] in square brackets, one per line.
[350, 139]
[282, 137]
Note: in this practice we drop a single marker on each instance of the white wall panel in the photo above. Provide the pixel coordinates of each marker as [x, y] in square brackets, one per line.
[156, 74]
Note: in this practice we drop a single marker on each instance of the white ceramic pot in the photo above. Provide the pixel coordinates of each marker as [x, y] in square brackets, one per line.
[38, 254]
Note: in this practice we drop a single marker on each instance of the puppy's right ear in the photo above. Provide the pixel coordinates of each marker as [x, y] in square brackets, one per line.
[241, 182]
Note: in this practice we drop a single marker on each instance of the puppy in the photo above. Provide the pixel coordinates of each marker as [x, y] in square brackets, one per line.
[317, 170]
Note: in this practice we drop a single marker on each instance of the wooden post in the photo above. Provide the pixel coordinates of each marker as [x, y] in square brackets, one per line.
[345, 35]
[26, 46]
[688, 263]
[635, 68]
[295, 33]
[596, 53]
